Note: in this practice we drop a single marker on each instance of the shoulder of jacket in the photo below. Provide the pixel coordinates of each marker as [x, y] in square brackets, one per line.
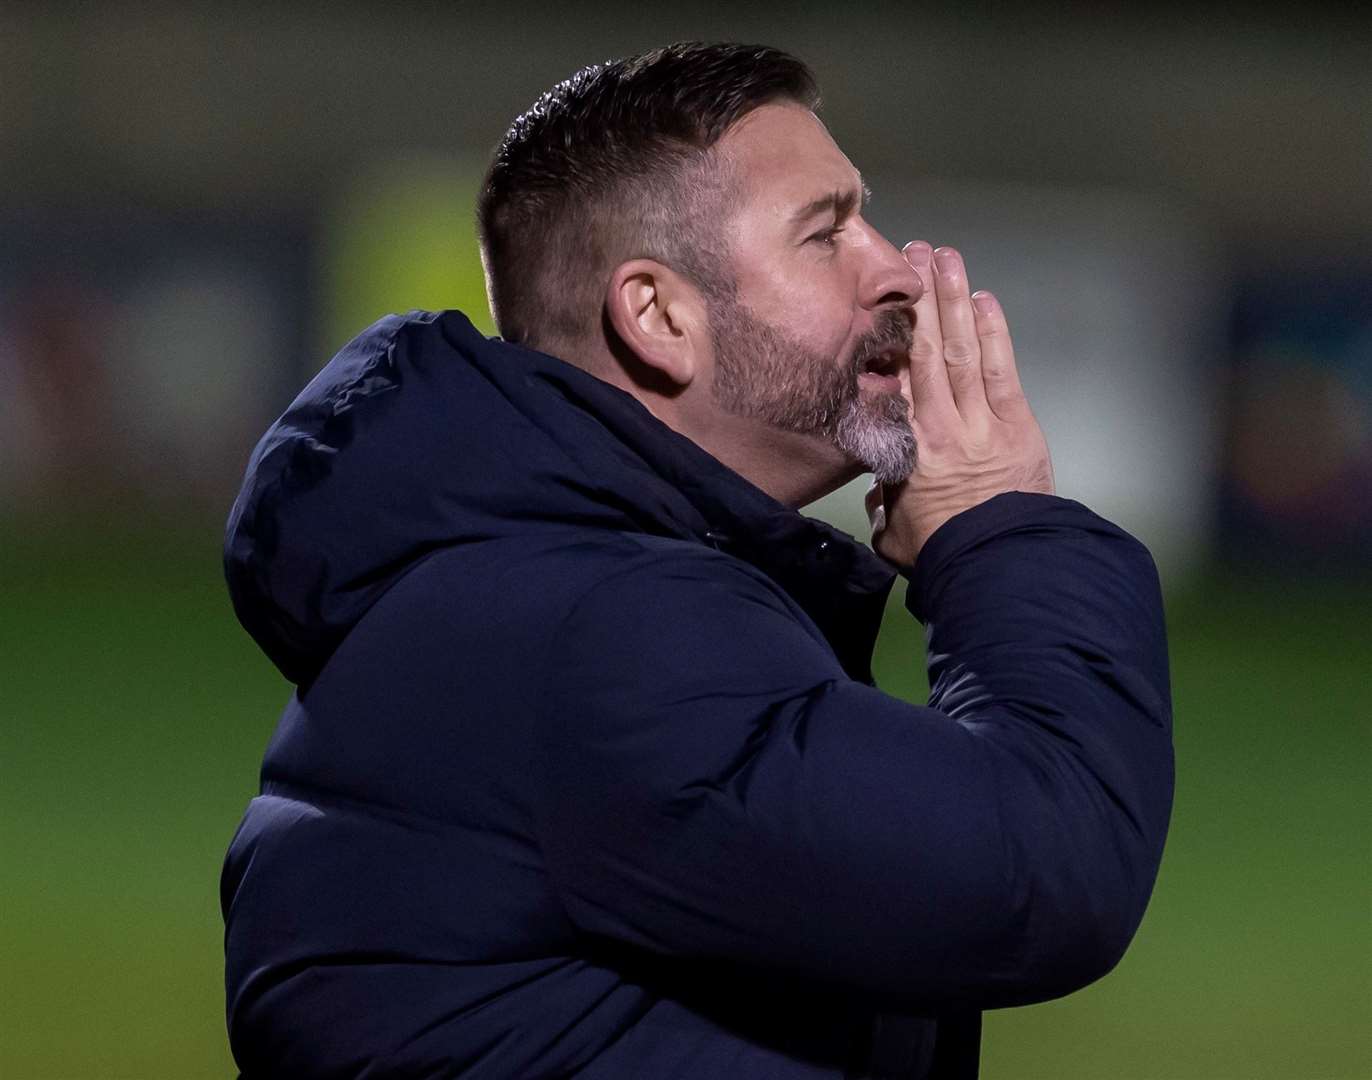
[554, 568]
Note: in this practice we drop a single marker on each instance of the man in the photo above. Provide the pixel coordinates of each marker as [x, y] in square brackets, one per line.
[585, 774]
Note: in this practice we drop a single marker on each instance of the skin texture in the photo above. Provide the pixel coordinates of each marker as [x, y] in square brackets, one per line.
[764, 378]
[764, 373]
[976, 434]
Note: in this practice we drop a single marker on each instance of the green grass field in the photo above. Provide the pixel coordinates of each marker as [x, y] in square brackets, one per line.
[135, 711]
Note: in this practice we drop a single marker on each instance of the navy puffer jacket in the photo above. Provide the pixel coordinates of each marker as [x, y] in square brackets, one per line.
[585, 773]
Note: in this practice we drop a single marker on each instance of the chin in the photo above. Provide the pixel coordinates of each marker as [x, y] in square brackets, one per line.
[875, 431]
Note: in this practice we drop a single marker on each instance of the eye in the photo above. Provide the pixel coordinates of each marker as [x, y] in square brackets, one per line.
[826, 236]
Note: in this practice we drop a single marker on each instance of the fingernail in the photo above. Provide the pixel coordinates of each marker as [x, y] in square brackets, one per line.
[917, 251]
[984, 302]
[946, 259]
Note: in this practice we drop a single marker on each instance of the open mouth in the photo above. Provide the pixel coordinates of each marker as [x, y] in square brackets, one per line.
[888, 362]
[881, 371]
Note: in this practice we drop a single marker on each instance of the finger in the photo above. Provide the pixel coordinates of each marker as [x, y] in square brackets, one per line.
[961, 346]
[875, 501]
[999, 374]
[931, 395]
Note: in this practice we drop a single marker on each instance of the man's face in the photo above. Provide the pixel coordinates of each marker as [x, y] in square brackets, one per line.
[818, 326]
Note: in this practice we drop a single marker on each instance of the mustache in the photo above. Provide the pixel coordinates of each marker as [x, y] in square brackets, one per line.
[894, 330]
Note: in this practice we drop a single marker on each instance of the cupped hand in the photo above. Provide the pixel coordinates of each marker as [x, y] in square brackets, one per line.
[975, 434]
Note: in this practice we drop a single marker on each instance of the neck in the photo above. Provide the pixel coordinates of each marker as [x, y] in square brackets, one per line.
[793, 469]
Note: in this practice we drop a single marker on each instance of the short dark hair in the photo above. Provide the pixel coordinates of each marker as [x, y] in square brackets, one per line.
[612, 164]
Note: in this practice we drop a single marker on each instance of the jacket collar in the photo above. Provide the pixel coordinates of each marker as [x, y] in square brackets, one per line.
[836, 580]
[423, 433]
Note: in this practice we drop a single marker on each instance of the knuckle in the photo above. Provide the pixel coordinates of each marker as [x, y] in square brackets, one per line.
[932, 443]
[1009, 398]
[923, 348]
[982, 449]
[963, 378]
[959, 351]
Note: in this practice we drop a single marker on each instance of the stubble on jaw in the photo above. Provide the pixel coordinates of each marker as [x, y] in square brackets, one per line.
[763, 374]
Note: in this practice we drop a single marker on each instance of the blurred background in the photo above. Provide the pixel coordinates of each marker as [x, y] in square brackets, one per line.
[200, 203]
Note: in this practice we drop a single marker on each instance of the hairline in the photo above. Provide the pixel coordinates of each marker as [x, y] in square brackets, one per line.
[547, 247]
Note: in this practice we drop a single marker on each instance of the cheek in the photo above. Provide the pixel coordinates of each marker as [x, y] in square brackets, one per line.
[805, 295]
[817, 310]
[824, 321]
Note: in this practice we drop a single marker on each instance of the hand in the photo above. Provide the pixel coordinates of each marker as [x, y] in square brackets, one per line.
[974, 432]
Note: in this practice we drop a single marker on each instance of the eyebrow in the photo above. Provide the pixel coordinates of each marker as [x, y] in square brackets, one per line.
[840, 203]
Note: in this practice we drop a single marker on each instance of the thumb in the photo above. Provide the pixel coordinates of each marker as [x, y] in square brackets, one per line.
[875, 502]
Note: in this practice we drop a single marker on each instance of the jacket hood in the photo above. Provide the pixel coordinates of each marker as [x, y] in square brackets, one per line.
[422, 433]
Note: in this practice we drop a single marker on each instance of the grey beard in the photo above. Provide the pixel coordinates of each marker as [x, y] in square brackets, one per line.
[876, 432]
[762, 373]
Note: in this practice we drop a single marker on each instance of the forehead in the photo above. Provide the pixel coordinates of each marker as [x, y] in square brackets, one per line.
[782, 157]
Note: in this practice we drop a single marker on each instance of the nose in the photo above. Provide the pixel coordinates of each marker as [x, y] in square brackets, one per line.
[890, 281]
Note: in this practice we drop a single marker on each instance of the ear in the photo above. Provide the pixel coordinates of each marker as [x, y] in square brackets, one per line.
[661, 318]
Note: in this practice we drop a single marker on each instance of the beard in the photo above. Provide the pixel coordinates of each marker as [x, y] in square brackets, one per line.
[764, 374]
